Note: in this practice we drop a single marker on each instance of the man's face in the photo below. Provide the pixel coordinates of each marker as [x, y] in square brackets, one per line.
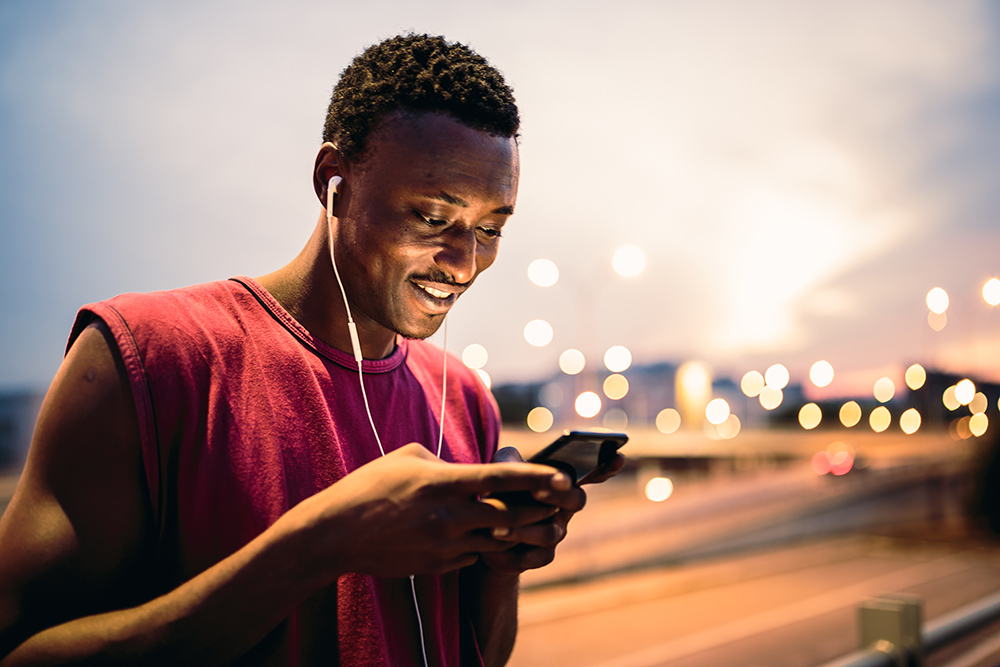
[424, 211]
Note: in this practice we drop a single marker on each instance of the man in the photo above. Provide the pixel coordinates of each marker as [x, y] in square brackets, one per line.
[211, 479]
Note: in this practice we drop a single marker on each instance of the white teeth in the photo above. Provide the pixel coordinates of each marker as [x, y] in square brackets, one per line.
[435, 292]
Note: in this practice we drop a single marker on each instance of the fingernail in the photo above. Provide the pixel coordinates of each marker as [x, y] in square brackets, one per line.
[501, 531]
[561, 482]
[542, 494]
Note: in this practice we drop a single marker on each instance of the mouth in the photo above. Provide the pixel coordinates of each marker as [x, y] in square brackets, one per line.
[437, 299]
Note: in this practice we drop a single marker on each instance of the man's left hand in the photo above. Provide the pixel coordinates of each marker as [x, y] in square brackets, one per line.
[534, 545]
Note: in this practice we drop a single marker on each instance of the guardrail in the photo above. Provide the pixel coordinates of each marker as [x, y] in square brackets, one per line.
[891, 634]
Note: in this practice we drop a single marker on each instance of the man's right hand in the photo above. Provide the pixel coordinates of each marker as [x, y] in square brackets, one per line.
[411, 513]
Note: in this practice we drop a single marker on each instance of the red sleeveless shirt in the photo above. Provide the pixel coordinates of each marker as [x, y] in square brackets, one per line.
[243, 414]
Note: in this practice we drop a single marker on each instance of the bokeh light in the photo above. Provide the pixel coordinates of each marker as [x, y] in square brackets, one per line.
[776, 377]
[668, 421]
[770, 398]
[909, 421]
[880, 419]
[978, 424]
[821, 373]
[937, 301]
[752, 383]
[615, 419]
[540, 419]
[884, 390]
[841, 458]
[730, 428]
[937, 321]
[950, 398]
[916, 376]
[615, 387]
[810, 416]
[587, 404]
[617, 358]
[693, 390]
[543, 272]
[991, 292]
[979, 403]
[659, 489]
[538, 333]
[965, 391]
[572, 362]
[628, 261]
[850, 414]
[485, 377]
[475, 356]
[717, 411]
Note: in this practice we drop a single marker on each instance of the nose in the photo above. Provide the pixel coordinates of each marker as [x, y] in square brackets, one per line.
[457, 255]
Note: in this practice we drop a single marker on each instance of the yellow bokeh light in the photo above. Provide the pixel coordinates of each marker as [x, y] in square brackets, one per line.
[850, 414]
[694, 391]
[540, 420]
[916, 376]
[659, 489]
[937, 300]
[538, 333]
[909, 421]
[730, 428]
[810, 416]
[485, 377]
[587, 404]
[617, 358]
[776, 377]
[950, 399]
[770, 398]
[752, 383]
[880, 419]
[979, 403]
[937, 321]
[615, 387]
[884, 390]
[628, 261]
[572, 362]
[668, 421]
[717, 411]
[960, 429]
[821, 373]
[543, 272]
[965, 391]
[978, 423]
[991, 292]
[475, 356]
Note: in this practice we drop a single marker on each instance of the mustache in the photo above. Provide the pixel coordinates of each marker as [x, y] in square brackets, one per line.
[441, 278]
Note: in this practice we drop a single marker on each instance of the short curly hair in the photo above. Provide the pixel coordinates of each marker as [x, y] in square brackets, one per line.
[417, 73]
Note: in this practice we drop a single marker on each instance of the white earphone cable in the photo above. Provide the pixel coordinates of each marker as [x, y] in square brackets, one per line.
[356, 347]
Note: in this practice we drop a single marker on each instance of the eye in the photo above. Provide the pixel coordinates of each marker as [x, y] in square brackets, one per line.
[491, 232]
[433, 222]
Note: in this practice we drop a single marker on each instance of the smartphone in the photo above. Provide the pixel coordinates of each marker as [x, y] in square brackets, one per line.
[580, 453]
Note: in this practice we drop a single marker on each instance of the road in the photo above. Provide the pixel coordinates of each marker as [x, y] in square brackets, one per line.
[758, 570]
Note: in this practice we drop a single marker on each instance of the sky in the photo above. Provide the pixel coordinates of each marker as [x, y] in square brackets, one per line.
[797, 175]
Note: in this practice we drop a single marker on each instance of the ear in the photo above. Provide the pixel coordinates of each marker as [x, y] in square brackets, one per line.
[329, 163]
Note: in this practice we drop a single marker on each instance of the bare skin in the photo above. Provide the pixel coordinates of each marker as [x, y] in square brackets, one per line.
[80, 524]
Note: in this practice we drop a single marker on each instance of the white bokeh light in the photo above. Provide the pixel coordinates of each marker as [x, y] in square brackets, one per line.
[572, 362]
[629, 261]
[475, 356]
[538, 333]
[543, 272]
[617, 358]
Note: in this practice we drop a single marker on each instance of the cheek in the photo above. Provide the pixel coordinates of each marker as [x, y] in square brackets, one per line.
[485, 256]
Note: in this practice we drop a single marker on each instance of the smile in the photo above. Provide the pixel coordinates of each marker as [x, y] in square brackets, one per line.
[435, 292]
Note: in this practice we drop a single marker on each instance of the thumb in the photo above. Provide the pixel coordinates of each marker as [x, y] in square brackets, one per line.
[507, 455]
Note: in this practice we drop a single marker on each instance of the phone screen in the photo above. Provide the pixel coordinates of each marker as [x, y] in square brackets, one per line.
[580, 453]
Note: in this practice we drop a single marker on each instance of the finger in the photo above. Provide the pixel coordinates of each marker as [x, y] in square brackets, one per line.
[572, 499]
[493, 478]
[604, 474]
[508, 455]
[543, 534]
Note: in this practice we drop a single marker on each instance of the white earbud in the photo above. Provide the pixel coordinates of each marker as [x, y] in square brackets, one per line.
[331, 192]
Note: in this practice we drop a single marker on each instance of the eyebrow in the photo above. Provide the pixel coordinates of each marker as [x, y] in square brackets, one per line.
[458, 201]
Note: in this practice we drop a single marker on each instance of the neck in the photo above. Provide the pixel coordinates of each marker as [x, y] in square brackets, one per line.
[307, 289]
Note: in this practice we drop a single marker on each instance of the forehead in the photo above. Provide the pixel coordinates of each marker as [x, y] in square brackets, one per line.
[435, 150]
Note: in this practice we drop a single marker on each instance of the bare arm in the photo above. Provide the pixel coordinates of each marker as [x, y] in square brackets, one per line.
[73, 540]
